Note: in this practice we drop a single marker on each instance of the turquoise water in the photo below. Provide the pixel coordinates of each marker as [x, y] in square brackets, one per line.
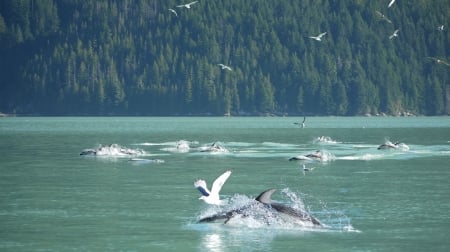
[53, 199]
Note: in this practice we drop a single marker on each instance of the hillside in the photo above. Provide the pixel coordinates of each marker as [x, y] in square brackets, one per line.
[122, 57]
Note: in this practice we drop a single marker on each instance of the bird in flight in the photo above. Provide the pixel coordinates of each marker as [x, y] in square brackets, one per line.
[319, 37]
[187, 6]
[212, 197]
[439, 61]
[174, 12]
[225, 67]
[391, 3]
[440, 28]
[305, 169]
[302, 124]
[395, 34]
[382, 16]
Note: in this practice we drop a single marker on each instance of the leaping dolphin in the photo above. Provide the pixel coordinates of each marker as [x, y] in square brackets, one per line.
[265, 200]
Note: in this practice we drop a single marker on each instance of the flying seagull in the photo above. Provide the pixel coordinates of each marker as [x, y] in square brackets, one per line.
[439, 61]
[319, 37]
[382, 16]
[212, 197]
[225, 67]
[187, 6]
[395, 34]
[174, 12]
[302, 123]
[391, 3]
[440, 28]
[305, 169]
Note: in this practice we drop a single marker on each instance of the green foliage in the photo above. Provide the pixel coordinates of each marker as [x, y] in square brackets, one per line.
[137, 57]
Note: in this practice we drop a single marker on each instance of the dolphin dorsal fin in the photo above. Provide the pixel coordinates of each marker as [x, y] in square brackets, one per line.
[265, 197]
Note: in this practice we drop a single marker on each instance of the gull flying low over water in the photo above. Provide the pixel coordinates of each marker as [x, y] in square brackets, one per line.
[302, 123]
[391, 3]
[318, 37]
[225, 67]
[395, 34]
[187, 6]
[306, 169]
[174, 12]
[212, 197]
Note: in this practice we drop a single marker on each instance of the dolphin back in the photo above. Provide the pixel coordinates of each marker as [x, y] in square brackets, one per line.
[266, 198]
[296, 213]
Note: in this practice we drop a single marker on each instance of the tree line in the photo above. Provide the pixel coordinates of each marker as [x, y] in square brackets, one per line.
[136, 57]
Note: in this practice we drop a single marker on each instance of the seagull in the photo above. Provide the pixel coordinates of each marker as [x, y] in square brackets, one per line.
[305, 169]
[319, 37]
[212, 197]
[439, 61]
[174, 12]
[382, 16]
[187, 6]
[391, 3]
[303, 123]
[395, 34]
[225, 67]
[440, 28]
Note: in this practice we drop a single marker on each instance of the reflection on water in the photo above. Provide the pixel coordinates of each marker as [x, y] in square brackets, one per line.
[212, 242]
[234, 239]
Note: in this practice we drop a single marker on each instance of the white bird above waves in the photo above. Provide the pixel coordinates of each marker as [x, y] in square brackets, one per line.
[302, 123]
[395, 34]
[305, 169]
[174, 12]
[212, 197]
[391, 3]
[318, 37]
[440, 28]
[225, 67]
[187, 6]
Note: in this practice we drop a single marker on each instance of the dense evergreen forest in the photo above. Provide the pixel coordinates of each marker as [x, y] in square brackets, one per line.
[138, 57]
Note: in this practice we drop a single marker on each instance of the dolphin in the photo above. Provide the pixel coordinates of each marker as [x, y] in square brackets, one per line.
[88, 152]
[264, 200]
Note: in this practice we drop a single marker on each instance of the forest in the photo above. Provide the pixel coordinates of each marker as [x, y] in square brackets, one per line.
[158, 57]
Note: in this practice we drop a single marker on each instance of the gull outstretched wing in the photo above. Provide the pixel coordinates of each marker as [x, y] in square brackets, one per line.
[218, 183]
[200, 184]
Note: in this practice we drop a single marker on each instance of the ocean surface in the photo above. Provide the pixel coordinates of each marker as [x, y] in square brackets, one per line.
[137, 192]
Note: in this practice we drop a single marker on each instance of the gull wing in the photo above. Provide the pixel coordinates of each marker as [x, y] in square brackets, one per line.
[218, 183]
[200, 184]
[395, 34]
[174, 12]
[391, 3]
[322, 34]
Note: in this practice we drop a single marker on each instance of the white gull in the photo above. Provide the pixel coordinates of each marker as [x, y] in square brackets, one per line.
[212, 197]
